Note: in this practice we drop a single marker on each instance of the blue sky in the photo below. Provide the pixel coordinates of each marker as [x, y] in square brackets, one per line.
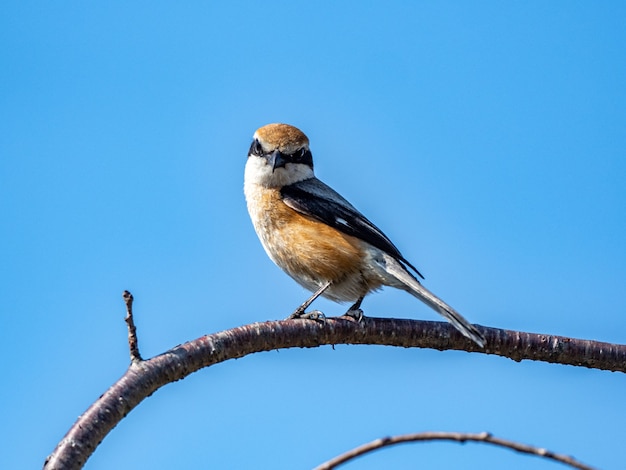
[487, 139]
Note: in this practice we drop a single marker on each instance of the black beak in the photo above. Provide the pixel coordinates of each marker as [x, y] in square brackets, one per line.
[277, 160]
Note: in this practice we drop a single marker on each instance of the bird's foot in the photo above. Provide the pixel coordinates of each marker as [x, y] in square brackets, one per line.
[355, 313]
[312, 315]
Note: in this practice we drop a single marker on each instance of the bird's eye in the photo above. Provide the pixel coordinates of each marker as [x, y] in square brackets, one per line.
[303, 156]
[256, 148]
[298, 156]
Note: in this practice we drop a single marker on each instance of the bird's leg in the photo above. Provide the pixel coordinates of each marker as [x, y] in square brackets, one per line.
[315, 314]
[355, 311]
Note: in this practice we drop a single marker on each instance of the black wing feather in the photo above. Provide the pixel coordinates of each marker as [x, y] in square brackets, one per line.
[317, 200]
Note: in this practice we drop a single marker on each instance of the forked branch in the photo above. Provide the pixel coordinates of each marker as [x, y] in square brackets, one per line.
[144, 377]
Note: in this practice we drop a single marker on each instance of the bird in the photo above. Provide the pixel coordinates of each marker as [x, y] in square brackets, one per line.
[318, 238]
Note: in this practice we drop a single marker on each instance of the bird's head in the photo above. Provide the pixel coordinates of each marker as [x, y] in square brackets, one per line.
[279, 156]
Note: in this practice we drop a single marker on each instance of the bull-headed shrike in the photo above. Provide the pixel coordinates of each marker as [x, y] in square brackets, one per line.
[319, 238]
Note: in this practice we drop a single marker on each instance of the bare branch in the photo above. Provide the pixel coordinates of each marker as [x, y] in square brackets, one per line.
[450, 436]
[144, 377]
[132, 331]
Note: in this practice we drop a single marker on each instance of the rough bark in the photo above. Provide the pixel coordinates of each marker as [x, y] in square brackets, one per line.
[143, 377]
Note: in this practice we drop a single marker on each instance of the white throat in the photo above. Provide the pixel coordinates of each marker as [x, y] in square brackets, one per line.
[259, 171]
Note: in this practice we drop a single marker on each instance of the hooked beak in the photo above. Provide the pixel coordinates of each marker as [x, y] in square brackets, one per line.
[277, 160]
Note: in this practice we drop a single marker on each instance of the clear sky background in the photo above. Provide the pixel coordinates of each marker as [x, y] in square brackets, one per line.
[487, 139]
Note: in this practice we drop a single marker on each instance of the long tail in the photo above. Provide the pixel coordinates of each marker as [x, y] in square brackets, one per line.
[454, 317]
[413, 286]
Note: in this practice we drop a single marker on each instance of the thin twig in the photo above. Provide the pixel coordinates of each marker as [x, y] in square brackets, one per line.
[132, 331]
[450, 436]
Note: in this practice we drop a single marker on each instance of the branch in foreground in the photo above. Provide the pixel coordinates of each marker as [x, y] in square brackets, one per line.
[145, 377]
[450, 436]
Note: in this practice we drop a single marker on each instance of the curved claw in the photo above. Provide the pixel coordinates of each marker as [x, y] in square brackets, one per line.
[355, 313]
[312, 315]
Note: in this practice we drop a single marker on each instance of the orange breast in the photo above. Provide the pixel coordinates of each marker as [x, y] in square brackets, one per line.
[303, 246]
